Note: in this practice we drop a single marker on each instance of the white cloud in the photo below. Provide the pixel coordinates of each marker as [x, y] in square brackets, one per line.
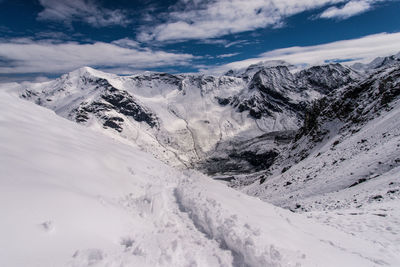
[28, 56]
[350, 9]
[208, 19]
[81, 10]
[355, 50]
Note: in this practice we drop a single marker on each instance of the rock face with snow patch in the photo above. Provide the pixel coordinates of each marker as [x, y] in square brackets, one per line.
[327, 78]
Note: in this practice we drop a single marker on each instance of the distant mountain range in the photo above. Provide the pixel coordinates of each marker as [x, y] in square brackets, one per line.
[244, 126]
[218, 124]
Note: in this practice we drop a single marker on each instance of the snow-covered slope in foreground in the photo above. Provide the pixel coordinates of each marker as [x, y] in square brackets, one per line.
[70, 196]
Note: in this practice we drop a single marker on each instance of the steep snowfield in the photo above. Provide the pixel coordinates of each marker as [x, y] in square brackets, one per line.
[71, 196]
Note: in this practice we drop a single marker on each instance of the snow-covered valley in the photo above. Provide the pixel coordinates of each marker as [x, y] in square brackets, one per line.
[316, 182]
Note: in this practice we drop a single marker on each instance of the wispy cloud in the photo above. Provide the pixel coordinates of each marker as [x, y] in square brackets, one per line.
[239, 43]
[55, 35]
[348, 10]
[226, 43]
[221, 42]
[25, 55]
[86, 11]
[209, 19]
[347, 51]
[227, 55]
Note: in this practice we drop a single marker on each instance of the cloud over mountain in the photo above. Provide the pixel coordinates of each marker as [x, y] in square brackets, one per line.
[355, 50]
[51, 56]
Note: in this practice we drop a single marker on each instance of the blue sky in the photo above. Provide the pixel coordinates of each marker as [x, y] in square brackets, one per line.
[45, 38]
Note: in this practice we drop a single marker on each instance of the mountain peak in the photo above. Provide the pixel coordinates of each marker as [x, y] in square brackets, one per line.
[84, 70]
[87, 71]
[378, 62]
[254, 68]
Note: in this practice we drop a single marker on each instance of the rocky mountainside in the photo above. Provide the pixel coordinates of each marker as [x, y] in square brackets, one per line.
[226, 124]
[343, 166]
[338, 130]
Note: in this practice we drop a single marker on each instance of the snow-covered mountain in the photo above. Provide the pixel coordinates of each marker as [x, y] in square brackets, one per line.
[72, 196]
[323, 141]
[216, 124]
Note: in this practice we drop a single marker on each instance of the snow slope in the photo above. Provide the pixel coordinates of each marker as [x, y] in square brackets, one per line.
[71, 196]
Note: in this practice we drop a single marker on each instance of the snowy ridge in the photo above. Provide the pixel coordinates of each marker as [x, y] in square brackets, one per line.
[84, 199]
